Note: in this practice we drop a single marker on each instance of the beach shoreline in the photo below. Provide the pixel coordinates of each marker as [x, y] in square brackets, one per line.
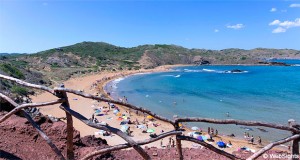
[80, 104]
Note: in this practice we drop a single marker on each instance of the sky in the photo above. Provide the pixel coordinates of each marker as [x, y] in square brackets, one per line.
[35, 25]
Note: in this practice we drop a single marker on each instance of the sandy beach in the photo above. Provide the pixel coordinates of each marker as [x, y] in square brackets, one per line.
[93, 84]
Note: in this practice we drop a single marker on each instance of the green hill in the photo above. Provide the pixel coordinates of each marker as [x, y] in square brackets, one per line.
[57, 64]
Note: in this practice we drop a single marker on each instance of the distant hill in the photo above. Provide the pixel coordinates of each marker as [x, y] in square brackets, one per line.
[58, 64]
[100, 55]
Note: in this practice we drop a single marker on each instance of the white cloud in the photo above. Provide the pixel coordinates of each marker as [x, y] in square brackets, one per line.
[237, 26]
[275, 22]
[216, 30]
[283, 26]
[273, 10]
[279, 30]
[294, 5]
[289, 24]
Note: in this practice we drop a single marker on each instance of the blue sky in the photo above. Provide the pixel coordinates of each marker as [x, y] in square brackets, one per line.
[31, 26]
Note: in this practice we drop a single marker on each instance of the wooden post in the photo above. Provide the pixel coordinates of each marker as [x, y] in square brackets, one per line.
[179, 148]
[178, 142]
[70, 149]
[295, 143]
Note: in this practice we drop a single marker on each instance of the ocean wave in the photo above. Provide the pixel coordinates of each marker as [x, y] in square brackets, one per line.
[297, 65]
[118, 80]
[115, 82]
[169, 75]
[208, 70]
[177, 76]
[190, 70]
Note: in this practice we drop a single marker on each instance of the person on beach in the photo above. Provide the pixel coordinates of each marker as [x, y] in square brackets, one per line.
[128, 131]
[169, 144]
[245, 135]
[208, 130]
[259, 141]
[252, 140]
[93, 116]
[161, 143]
[227, 114]
[137, 112]
[216, 132]
[173, 143]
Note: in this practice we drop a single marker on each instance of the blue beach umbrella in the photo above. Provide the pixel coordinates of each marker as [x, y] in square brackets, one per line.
[221, 144]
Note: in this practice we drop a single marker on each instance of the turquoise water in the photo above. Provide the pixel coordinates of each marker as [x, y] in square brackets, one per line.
[261, 93]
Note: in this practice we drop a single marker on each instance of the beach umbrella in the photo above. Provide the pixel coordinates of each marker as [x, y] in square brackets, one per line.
[221, 144]
[141, 126]
[204, 138]
[118, 114]
[200, 138]
[207, 136]
[97, 111]
[195, 128]
[149, 117]
[120, 119]
[115, 111]
[124, 117]
[124, 122]
[124, 128]
[180, 125]
[150, 130]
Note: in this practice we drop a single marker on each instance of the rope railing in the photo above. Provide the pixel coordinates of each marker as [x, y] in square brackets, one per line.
[61, 93]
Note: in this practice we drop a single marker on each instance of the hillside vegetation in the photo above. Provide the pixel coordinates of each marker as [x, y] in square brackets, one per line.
[55, 65]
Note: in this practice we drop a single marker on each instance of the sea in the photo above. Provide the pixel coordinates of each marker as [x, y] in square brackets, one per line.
[256, 93]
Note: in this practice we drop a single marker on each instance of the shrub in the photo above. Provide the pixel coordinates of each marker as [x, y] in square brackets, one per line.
[12, 71]
[243, 58]
[19, 90]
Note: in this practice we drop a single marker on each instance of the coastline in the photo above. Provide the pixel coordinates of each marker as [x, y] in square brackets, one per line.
[81, 105]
